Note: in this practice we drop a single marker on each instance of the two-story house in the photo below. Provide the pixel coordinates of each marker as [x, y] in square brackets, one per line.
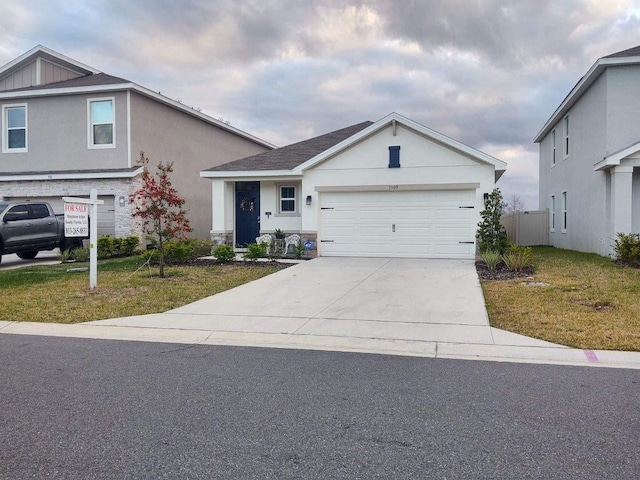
[67, 128]
[590, 157]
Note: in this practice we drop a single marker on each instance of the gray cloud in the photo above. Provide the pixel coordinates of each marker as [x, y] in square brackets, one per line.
[488, 73]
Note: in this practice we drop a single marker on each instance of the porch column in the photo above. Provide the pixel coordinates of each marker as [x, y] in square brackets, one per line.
[621, 191]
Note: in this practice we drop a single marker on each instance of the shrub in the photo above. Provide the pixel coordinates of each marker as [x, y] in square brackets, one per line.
[64, 255]
[80, 254]
[200, 248]
[117, 247]
[299, 250]
[627, 247]
[491, 259]
[129, 245]
[517, 258]
[256, 250]
[177, 251]
[491, 234]
[224, 253]
[105, 246]
[149, 256]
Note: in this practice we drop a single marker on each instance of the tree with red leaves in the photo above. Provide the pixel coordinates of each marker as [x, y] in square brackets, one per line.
[159, 207]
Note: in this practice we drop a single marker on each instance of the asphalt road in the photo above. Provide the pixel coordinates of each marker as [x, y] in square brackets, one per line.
[77, 408]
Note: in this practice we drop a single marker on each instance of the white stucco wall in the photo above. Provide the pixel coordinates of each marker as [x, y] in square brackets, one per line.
[425, 164]
[587, 211]
[603, 121]
[422, 162]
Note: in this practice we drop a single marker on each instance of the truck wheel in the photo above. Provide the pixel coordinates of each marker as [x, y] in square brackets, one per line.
[27, 255]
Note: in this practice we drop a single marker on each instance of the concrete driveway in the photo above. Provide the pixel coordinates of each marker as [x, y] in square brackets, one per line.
[420, 300]
[427, 308]
[44, 257]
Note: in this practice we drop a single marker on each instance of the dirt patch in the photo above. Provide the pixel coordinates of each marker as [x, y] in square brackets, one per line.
[601, 307]
[501, 272]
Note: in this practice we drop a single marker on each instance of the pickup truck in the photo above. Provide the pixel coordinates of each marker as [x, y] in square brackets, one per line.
[28, 227]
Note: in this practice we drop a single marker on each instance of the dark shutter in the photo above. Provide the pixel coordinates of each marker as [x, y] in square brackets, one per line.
[394, 157]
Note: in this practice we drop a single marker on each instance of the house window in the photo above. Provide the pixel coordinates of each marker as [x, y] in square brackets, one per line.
[287, 199]
[565, 144]
[101, 123]
[14, 130]
[553, 213]
[553, 148]
[564, 212]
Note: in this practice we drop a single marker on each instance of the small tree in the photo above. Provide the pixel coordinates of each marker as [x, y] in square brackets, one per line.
[514, 204]
[491, 234]
[159, 207]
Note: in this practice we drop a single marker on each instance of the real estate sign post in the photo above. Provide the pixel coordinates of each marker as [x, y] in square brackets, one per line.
[78, 210]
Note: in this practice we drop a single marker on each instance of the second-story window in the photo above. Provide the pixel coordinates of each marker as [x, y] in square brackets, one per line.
[14, 130]
[553, 147]
[101, 123]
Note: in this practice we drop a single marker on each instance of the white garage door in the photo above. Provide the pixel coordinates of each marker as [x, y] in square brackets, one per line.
[414, 224]
[106, 212]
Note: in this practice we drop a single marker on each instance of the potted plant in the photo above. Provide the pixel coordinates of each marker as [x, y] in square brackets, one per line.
[279, 234]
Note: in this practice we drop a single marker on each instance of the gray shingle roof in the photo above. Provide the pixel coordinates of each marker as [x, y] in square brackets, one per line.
[289, 157]
[630, 52]
[86, 81]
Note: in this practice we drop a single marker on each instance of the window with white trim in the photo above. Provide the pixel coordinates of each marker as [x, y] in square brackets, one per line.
[553, 213]
[101, 114]
[565, 143]
[14, 128]
[564, 212]
[287, 199]
[553, 147]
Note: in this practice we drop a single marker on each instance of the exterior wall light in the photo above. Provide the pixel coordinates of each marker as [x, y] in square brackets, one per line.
[308, 199]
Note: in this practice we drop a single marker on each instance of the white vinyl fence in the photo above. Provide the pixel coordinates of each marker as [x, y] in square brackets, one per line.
[527, 228]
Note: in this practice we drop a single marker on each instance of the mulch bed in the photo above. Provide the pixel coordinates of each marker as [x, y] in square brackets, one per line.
[501, 272]
[627, 264]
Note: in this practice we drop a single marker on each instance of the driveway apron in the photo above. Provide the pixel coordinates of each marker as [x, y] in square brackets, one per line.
[425, 300]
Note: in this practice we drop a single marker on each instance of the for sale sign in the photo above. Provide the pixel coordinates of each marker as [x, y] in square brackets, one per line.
[76, 220]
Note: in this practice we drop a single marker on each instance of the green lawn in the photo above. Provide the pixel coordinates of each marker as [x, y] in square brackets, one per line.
[52, 294]
[590, 302]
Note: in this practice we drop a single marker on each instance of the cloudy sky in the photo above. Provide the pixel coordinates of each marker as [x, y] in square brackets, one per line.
[486, 72]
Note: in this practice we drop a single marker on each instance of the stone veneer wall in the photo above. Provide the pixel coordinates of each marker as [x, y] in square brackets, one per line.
[124, 223]
[222, 238]
[226, 238]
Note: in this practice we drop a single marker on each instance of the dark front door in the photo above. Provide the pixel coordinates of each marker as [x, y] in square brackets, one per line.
[247, 213]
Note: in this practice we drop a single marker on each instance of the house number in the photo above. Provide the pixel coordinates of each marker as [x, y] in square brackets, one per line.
[393, 187]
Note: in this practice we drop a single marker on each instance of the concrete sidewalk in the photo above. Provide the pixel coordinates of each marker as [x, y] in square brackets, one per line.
[429, 308]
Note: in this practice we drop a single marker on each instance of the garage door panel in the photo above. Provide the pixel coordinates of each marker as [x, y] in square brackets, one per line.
[427, 224]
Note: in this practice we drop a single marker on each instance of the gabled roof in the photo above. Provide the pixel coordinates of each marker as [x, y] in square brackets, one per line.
[294, 159]
[631, 56]
[93, 81]
[99, 79]
[48, 54]
[615, 158]
[290, 156]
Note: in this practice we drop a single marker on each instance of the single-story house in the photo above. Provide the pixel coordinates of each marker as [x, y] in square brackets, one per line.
[391, 188]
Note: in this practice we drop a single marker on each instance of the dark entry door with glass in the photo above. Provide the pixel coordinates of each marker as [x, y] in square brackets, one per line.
[247, 213]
